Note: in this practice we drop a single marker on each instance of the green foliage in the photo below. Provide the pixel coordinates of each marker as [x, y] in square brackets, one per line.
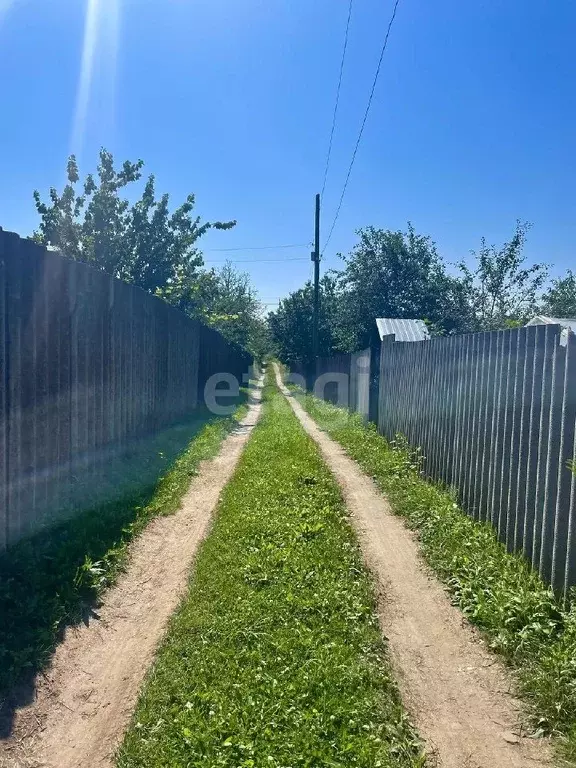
[291, 324]
[142, 243]
[225, 300]
[148, 245]
[560, 299]
[401, 274]
[497, 591]
[395, 274]
[53, 580]
[502, 291]
[275, 657]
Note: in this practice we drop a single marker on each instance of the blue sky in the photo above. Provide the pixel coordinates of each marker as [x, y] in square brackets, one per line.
[472, 126]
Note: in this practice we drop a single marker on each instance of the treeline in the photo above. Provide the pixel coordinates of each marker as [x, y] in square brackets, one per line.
[151, 245]
[401, 274]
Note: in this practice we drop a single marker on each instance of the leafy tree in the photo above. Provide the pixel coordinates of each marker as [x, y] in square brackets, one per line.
[143, 243]
[223, 299]
[400, 274]
[396, 274]
[235, 308]
[502, 290]
[560, 299]
[291, 324]
[191, 291]
[147, 244]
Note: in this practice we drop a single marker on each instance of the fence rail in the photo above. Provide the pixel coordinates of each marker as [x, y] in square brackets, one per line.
[495, 417]
[88, 364]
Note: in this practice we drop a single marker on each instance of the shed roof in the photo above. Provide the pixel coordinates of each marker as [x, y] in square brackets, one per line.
[403, 330]
[565, 322]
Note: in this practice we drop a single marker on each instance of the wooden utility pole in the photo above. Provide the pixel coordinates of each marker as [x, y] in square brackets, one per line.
[316, 260]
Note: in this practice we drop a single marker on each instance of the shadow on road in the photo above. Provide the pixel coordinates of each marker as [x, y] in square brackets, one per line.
[51, 581]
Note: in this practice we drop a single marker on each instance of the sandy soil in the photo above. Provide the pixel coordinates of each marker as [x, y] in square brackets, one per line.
[458, 693]
[84, 701]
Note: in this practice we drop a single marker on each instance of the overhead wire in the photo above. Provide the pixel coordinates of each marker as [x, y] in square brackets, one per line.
[256, 248]
[338, 89]
[363, 125]
[253, 261]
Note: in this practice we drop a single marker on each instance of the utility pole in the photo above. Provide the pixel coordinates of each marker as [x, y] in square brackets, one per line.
[316, 260]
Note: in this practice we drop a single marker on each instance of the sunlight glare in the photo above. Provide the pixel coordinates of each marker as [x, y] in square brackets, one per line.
[99, 57]
[5, 6]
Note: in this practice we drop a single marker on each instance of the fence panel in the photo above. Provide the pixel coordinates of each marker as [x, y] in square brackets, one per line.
[360, 366]
[4, 374]
[89, 366]
[495, 416]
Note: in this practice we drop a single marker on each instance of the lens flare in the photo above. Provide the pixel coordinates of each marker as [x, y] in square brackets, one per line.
[5, 6]
[99, 63]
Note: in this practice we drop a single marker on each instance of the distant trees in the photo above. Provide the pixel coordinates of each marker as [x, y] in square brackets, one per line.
[401, 274]
[395, 274]
[291, 324]
[148, 244]
[224, 299]
[560, 299]
[501, 289]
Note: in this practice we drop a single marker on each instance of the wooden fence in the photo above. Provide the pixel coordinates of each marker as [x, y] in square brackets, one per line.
[88, 365]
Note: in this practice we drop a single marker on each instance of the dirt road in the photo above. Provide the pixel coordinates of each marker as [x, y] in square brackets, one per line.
[86, 698]
[458, 693]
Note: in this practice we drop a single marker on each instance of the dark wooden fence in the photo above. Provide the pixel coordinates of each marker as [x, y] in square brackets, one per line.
[495, 417]
[88, 365]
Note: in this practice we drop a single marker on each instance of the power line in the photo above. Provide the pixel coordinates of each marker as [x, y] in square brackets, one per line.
[256, 248]
[359, 139]
[252, 261]
[337, 100]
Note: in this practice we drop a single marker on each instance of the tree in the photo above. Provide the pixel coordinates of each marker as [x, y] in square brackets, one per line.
[560, 299]
[401, 275]
[291, 324]
[148, 245]
[234, 309]
[502, 290]
[225, 300]
[143, 244]
[396, 274]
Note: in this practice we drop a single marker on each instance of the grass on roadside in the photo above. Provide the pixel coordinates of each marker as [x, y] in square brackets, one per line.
[50, 581]
[498, 591]
[275, 657]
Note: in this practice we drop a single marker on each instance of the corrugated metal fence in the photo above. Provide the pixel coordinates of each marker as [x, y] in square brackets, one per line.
[495, 416]
[343, 380]
[88, 364]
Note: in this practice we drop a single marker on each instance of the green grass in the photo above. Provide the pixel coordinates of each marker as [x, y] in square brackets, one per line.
[498, 591]
[275, 657]
[52, 580]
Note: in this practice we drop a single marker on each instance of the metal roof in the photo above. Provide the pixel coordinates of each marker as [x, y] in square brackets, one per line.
[565, 322]
[403, 330]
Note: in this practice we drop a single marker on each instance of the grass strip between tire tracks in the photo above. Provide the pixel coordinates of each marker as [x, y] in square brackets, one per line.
[275, 657]
[497, 591]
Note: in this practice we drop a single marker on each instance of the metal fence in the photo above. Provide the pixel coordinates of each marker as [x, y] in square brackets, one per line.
[359, 395]
[344, 379]
[88, 365]
[495, 417]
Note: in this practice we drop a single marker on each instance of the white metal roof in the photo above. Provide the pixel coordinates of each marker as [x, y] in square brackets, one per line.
[403, 330]
[565, 322]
